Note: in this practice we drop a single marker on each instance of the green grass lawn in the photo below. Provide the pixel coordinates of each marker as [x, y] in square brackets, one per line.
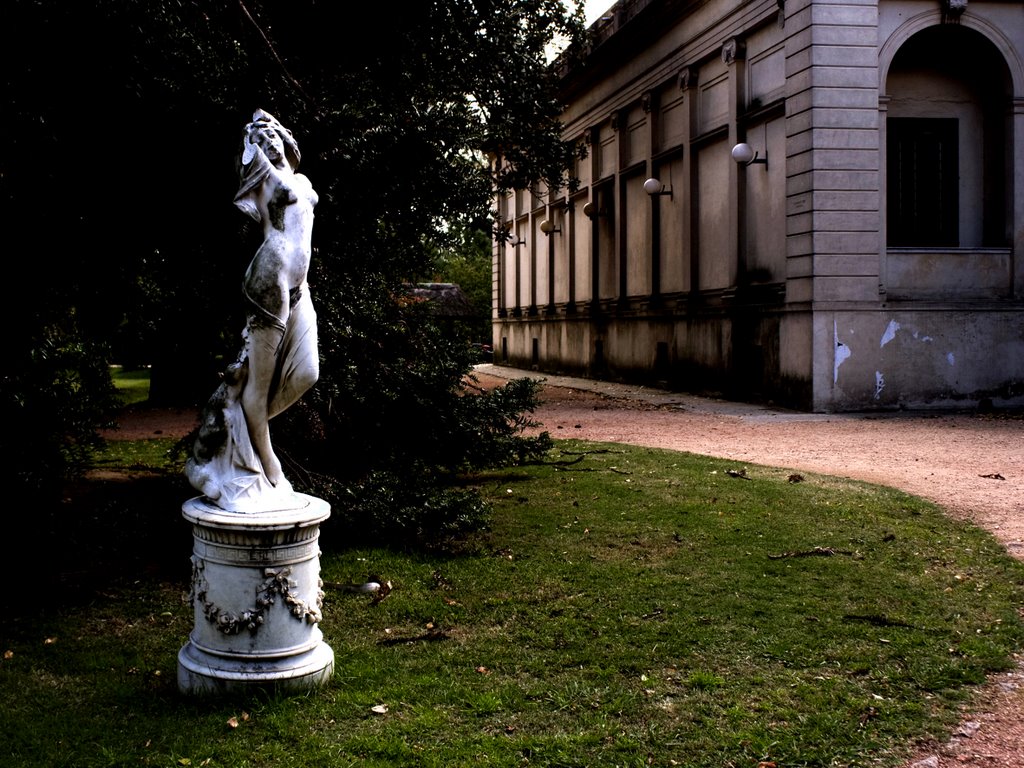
[629, 607]
[132, 384]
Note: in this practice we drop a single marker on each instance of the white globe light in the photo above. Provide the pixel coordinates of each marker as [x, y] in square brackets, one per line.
[742, 153]
[653, 187]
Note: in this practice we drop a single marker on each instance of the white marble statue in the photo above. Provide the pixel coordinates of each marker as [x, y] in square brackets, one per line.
[233, 462]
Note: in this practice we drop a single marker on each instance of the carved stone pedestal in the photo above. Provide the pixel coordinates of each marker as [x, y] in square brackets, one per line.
[256, 594]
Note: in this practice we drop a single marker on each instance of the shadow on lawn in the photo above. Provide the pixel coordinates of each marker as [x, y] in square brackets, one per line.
[107, 531]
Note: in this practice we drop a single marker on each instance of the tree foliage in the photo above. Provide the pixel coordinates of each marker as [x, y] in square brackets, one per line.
[126, 119]
[54, 395]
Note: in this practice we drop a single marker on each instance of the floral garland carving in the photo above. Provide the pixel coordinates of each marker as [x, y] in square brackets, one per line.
[276, 583]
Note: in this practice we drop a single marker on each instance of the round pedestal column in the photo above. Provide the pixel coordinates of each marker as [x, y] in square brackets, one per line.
[256, 596]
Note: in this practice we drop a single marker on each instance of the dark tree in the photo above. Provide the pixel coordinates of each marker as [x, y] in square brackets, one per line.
[126, 119]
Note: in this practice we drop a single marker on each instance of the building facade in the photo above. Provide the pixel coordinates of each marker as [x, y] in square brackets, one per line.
[814, 203]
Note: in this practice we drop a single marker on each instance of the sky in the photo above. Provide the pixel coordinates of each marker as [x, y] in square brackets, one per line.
[594, 8]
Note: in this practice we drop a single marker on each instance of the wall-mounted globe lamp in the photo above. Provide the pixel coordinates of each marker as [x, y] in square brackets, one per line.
[654, 187]
[548, 227]
[745, 155]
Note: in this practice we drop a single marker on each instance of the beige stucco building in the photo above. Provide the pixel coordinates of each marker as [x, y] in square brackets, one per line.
[875, 260]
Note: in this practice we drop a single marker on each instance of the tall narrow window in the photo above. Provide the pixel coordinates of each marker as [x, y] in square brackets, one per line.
[923, 180]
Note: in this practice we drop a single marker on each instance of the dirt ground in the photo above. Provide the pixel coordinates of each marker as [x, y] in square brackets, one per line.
[971, 464]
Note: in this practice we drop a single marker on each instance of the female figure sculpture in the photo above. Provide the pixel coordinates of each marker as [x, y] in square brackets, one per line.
[233, 462]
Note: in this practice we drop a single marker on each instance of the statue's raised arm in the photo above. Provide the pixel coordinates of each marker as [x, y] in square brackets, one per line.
[233, 462]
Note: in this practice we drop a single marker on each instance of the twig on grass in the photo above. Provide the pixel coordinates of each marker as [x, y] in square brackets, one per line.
[879, 620]
[816, 552]
[580, 456]
[430, 636]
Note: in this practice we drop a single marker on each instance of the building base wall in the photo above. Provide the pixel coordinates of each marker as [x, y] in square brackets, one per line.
[919, 358]
[828, 361]
[735, 355]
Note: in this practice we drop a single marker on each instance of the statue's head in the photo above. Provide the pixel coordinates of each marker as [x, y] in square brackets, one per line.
[267, 133]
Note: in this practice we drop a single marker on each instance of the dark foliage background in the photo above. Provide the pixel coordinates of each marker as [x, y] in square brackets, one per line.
[124, 120]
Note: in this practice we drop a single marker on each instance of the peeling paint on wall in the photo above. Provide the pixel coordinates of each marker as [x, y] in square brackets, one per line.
[879, 384]
[890, 332]
[842, 352]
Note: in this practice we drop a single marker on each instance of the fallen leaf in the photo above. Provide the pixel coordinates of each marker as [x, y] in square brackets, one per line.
[483, 670]
[380, 709]
[382, 592]
[232, 722]
[796, 478]
[993, 476]
[8, 654]
[50, 641]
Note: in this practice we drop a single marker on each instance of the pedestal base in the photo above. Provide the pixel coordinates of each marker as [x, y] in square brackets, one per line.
[203, 673]
[256, 596]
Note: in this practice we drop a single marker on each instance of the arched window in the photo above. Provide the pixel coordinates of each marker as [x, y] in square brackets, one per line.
[946, 139]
